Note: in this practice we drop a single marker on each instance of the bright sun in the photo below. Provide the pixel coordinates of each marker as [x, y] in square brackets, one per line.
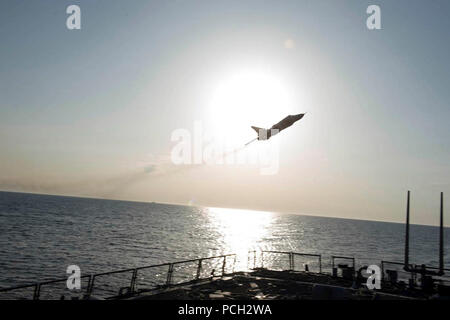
[245, 99]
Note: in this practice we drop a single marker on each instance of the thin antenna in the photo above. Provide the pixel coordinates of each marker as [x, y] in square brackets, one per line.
[441, 237]
[407, 233]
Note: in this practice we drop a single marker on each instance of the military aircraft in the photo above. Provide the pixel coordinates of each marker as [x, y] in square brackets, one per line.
[265, 134]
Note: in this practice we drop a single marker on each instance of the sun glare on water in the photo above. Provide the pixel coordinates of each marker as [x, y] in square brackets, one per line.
[242, 230]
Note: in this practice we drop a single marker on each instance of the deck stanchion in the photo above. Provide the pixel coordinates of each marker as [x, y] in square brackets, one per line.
[291, 261]
[199, 269]
[223, 265]
[37, 290]
[133, 281]
[89, 284]
[91, 288]
[320, 263]
[169, 275]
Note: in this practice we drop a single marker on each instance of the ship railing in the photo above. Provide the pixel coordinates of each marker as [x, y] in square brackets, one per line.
[335, 259]
[265, 255]
[285, 260]
[220, 266]
[398, 267]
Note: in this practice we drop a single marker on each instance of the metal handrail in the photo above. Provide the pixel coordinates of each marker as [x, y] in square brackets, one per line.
[37, 286]
[343, 258]
[310, 255]
[289, 253]
[131, 289]
[384, 262]
[91, 283]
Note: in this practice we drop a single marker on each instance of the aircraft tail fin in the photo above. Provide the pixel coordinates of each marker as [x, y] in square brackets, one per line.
[257, 129]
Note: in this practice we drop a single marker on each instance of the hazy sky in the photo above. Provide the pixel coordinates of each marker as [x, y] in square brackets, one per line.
[91, 112]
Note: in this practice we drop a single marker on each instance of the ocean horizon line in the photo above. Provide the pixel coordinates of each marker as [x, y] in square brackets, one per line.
[211, 206]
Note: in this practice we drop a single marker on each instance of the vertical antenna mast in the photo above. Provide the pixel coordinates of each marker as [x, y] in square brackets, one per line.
[407, 234]
[441, 237]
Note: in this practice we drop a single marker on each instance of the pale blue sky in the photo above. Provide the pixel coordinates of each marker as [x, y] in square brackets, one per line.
[79, 109]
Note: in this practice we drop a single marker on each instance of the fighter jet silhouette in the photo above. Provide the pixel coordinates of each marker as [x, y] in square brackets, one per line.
[265, 134]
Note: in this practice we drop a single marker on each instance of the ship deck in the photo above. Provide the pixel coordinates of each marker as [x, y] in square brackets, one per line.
[263, 284]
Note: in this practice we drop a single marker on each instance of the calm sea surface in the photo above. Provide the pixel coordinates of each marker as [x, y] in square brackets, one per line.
[41, 235]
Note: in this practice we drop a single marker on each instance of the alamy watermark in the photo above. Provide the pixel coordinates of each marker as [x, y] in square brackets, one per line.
[196, 148]
[73, 22]
[374, 280]
[74, 280]
[373, 22]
